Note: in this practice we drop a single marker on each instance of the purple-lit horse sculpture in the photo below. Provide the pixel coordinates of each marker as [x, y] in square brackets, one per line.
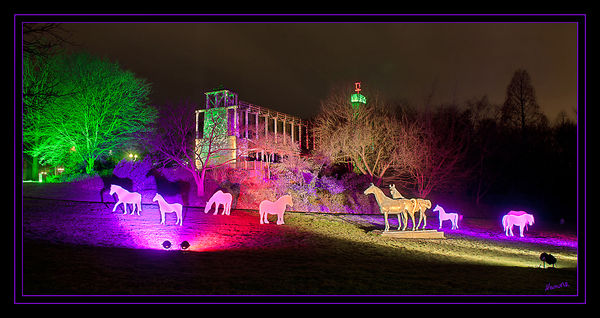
[443, 216]
[165, 207]
[520, 218]
[219, 198]
[125, 197]
[278, 207]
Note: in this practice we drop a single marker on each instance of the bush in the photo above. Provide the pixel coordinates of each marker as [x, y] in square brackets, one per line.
[137, 171]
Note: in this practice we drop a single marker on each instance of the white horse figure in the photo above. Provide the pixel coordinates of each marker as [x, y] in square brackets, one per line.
[219, 198]
[443, 216]
[516, 218]
[278, 207]
[165, 207]
[126, 197]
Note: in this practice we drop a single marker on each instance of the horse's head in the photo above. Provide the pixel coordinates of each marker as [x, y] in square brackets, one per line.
[437, 207]
[113, 188]
[427, 203]
[155, 197]
[288, 200]
[529, 218]
[370, 189]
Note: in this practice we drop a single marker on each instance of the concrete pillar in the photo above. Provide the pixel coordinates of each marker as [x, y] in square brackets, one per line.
[300, 136]
[284, 131]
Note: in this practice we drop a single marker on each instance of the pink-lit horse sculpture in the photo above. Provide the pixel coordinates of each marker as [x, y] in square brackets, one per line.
[134, 198]
[443, 216]
[219, 198]
[166, 207]
[519, 218]
[278, 207]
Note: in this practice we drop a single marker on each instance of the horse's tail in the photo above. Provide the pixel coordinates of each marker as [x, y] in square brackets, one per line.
[102, 196]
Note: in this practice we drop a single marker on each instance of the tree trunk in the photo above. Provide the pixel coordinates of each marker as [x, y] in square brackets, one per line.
[89, 168]
[199, 180]
[34, 168]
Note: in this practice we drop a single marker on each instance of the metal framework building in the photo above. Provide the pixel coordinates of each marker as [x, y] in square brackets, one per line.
[247, 122]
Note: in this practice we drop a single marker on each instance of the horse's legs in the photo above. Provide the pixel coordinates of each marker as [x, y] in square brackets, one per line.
[412, 217]
[399, 221]
[420, 218]
[162, 217]
[387, 225]
[440, 220]
[280, 218]
[424, 220]
[116, 204]
[521, 229]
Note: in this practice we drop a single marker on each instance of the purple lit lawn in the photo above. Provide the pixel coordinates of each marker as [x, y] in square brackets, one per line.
[84, 248]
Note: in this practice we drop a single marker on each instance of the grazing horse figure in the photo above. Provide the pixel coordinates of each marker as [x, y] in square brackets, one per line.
[278, 207]
[219, 198]
[165, 207]
[520, 219]
[126, 197]
[391, 206]
[443, 216]
[422, 205]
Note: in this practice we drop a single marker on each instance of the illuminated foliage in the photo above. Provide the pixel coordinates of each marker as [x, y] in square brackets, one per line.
[102, 108]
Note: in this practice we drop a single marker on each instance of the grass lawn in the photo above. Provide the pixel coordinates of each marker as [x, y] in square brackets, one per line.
[82, 248]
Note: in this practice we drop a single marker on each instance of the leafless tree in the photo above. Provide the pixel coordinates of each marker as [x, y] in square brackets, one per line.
[367, 137]
[440, 152]
[176, 141]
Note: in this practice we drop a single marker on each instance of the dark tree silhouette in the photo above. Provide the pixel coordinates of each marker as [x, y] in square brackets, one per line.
[520, 108]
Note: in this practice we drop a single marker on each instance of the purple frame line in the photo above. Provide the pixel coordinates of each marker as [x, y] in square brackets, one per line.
[353, 15]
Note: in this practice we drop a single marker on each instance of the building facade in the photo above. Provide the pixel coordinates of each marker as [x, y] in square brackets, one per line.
[235, 127]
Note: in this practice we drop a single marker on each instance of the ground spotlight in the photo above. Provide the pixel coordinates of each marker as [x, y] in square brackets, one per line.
[166, 245]
[547, 258]
[185, 245]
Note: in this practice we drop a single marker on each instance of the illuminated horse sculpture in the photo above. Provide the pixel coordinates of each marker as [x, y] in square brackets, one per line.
[219, 198]
[165, 207]
[520, 218]
[392, 206]
[278, 207]
[126, 197]
[422, 205]
[443, 216]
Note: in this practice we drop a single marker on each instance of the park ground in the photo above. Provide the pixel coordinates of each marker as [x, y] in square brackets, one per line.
[82, 247]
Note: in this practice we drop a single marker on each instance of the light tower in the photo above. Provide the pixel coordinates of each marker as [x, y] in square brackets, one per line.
[357, 99]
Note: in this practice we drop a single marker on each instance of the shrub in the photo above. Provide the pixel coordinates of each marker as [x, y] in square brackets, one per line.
[137, 171]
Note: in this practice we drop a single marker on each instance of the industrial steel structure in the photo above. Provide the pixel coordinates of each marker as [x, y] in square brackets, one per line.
[247, 122]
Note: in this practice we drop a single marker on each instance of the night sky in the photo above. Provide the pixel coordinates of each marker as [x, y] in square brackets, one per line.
[291, 67]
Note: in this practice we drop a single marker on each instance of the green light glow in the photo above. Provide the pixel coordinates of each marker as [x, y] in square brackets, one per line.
[358, 98]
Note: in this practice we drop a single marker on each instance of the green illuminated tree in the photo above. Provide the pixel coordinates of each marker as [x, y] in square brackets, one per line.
[41, 44]
[105, 108]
